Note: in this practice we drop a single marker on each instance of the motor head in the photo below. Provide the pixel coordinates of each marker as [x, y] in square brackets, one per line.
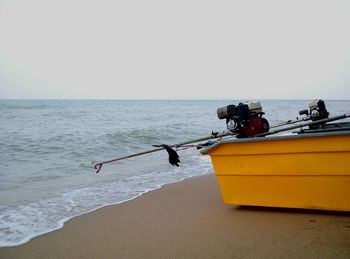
[239, 118]
[317, 110]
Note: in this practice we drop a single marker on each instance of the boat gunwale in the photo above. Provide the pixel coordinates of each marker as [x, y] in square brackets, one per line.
[291, 136]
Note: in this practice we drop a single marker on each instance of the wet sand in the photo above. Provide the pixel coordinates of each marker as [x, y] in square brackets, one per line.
[189, 220]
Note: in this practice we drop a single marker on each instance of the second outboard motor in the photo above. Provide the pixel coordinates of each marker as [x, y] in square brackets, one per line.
[317, 111]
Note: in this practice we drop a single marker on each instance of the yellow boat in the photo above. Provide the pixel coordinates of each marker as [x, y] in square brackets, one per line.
[296, 171]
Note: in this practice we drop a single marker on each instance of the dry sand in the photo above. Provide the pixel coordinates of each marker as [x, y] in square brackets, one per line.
[189, 220]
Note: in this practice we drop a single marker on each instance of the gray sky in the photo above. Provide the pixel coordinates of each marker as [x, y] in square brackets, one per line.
[174, 49]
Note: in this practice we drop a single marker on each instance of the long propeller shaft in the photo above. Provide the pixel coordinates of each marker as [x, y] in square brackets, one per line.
[99, 165]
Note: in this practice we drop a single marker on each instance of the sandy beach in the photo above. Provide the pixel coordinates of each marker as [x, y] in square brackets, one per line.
[189, 220]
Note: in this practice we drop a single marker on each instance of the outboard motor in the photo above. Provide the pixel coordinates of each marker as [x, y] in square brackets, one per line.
[317, 111]
[245, 119]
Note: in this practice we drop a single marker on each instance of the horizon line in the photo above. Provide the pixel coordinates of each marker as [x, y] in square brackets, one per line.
[170, 99]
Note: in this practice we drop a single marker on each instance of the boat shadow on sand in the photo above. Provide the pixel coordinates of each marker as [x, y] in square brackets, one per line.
[299, 211]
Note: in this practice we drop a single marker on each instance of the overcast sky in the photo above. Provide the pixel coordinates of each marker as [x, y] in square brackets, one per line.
[175, 49]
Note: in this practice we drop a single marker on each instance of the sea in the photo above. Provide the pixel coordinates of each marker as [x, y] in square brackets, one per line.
[47, 148]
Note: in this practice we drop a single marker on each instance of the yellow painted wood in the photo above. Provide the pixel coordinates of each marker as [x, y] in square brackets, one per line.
[305, 172]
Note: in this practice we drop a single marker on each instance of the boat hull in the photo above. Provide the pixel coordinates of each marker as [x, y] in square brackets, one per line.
[304, 171]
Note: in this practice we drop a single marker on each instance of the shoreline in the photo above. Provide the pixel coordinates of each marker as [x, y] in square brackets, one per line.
[62, 222]
[188, 219]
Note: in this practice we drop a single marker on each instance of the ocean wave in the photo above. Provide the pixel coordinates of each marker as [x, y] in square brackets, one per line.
[139, 136]
[14, 105]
